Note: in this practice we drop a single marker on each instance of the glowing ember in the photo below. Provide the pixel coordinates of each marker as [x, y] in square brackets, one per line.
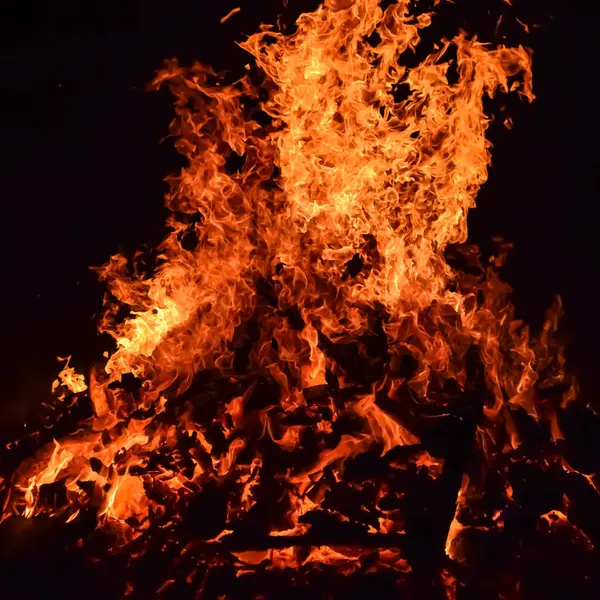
[303, 315]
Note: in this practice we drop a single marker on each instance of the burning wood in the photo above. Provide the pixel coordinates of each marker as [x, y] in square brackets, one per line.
[318, 384]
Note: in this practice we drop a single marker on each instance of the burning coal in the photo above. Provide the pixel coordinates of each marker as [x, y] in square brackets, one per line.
[314, 376]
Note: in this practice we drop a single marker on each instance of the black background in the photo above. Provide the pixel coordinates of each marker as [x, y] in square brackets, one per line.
[83, 158]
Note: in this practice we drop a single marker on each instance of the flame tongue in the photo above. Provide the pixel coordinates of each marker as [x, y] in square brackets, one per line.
[302, 316]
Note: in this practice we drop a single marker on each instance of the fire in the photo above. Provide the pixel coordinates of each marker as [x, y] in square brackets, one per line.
[68, 378]
[303, 312]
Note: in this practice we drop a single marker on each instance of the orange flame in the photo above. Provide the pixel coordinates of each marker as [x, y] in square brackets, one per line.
[357, 174]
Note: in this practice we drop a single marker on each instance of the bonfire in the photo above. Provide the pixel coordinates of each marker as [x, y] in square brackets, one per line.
[318, 387]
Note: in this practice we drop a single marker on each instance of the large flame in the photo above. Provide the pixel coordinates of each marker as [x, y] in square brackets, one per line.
[310, 230]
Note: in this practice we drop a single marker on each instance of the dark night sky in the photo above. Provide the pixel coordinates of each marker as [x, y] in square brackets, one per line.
[82, 164]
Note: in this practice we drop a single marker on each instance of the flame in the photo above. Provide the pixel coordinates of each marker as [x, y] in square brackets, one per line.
[356, 176]
[68, 378]
[230, 14]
